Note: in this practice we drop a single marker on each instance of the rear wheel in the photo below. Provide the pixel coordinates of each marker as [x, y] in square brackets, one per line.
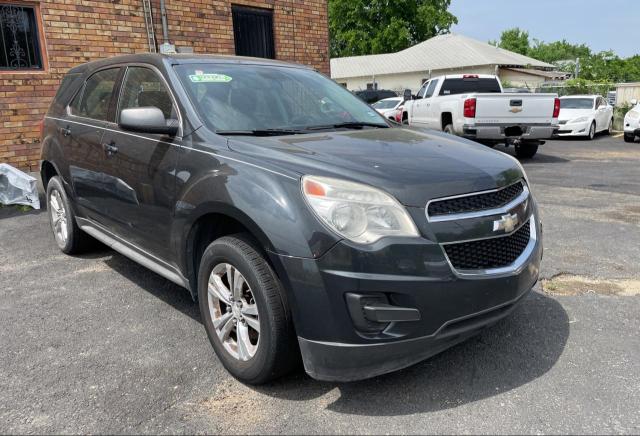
[610, 127]
[592, 131]
[244, 311]
[629, 137]
[526, 150]
[448, 129]
[68, 236]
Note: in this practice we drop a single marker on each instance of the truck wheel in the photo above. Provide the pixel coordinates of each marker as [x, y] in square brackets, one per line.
[244, 311]
[448, 129]
[592, 131]
[405, 118]
[68, 236]
[629, 137]
[526, 151]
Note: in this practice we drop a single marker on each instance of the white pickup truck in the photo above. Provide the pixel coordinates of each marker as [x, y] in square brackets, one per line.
[475, 107]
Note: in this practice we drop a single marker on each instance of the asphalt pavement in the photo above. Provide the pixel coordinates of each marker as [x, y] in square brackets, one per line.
[98, 344]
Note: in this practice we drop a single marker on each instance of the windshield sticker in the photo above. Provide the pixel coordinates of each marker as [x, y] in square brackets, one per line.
[210, 78]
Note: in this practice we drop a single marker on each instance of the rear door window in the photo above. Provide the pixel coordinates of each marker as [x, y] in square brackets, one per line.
[93, 102]
[469, 85]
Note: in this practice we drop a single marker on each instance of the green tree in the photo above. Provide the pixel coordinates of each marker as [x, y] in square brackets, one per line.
[514, 40]
[360, 27]
[558, 51]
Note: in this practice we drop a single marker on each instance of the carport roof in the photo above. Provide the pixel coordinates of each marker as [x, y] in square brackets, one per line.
[438, 53]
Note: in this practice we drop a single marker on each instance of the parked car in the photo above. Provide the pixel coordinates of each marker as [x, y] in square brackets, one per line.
[303, 226]
[388, 107]
[632, 122]
[474, 106]
[372, 95]
[584, 115]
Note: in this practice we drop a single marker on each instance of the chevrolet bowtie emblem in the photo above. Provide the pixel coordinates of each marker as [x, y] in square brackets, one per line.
[508, 223]
[515, 110]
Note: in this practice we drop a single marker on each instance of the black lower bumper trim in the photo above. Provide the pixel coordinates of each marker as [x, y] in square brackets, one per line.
[332, 361]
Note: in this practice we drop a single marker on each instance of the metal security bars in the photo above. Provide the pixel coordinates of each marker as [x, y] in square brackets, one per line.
[253, 32]
[19, 39]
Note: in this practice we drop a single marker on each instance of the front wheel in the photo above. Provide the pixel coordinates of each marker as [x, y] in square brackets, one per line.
[629, 137]
[592, 131]
[526, 150]
[244, 311]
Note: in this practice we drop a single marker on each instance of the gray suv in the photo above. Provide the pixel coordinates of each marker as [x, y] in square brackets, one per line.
[306, 225]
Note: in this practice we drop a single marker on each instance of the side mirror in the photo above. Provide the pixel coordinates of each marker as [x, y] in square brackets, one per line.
[406, 94]
[633, 102]
[148, 119]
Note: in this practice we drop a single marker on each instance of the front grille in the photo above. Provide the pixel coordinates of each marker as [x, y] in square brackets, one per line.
[489, 253]
[473, 203]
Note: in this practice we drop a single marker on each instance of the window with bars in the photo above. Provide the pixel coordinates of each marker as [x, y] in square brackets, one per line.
[19, 38]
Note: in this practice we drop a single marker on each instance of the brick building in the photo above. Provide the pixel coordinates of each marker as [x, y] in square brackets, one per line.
[41, 39]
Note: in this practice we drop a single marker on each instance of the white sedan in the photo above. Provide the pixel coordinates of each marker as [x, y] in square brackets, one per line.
[584, 115]
[632, 122]
[388, 107]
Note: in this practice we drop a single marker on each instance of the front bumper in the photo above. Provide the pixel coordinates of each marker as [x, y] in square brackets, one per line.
[507, 131]
[413, 274]
[574, 129]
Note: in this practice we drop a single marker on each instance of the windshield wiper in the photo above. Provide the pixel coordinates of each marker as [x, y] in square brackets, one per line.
[348, 125]
[260, 132]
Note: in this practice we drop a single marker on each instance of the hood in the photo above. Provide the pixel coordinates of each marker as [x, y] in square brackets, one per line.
[386, 111]
[571, 114]
[414, 165]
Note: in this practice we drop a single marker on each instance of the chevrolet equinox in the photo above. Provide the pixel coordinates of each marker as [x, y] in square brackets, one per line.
[303, 222]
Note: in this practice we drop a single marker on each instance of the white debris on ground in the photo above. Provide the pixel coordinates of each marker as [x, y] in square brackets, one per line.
[17, 187]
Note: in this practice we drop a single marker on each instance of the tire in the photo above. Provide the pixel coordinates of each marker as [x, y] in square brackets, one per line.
[67, 234]
[266, 353]
[609, 130]
[405, 118]
[592, 131]
[448, 129]
[526, 151]
[629, 137]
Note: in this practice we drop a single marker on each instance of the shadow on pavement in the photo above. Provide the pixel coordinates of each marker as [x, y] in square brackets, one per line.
[154, 284]
[516, 351]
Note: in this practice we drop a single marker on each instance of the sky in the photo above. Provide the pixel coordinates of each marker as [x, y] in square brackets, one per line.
[602, 25]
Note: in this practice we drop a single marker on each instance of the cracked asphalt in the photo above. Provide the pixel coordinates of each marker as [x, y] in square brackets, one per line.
[98, 344]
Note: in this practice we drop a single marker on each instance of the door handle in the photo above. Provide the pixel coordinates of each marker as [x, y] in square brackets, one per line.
[110, 148]
[65, 131]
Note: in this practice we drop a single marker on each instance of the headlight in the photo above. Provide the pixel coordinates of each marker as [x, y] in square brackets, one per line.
[360, 213]
[580, 120]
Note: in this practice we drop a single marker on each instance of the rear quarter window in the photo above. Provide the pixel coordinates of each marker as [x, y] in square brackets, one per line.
[469, 85]
[69, 86]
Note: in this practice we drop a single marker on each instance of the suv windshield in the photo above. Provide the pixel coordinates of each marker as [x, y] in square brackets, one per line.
[257, 98]
[576, 103]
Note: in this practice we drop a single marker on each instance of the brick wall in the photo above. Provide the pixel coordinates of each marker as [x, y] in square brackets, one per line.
[78, 31]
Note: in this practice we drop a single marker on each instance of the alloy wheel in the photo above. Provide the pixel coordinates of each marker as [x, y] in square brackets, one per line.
[58, 217]
[234, 311]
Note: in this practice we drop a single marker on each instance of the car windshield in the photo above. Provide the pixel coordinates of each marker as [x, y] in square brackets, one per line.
[576, 103]
[232, 98]
[386, 104]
